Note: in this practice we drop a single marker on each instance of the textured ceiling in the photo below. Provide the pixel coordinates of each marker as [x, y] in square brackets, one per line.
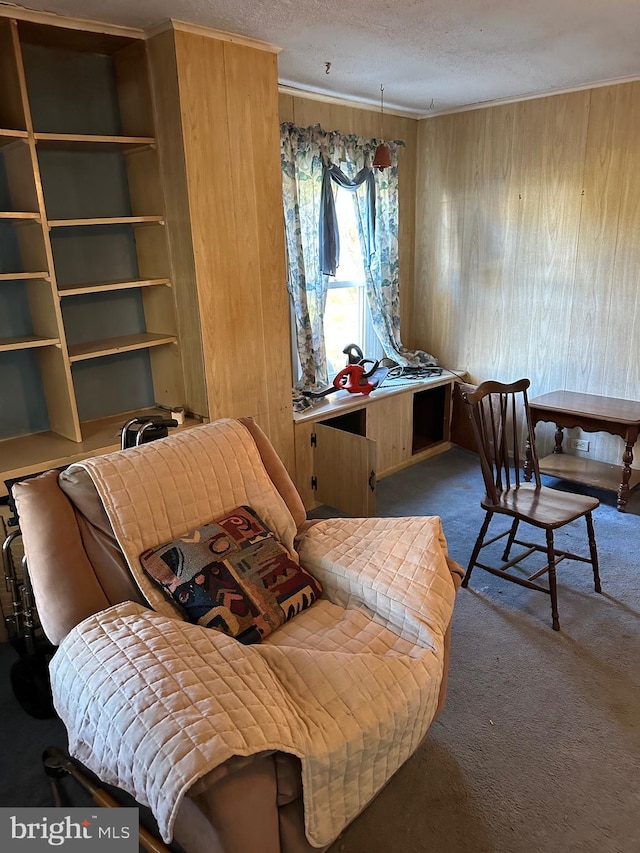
[431, 57]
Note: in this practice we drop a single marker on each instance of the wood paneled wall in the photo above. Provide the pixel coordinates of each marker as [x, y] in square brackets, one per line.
[528, 244]
[307, 111]
[218, 130]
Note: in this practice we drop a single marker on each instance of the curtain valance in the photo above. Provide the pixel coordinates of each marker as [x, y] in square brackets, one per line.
[329, 236]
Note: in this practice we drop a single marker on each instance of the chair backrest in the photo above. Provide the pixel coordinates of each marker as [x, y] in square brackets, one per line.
[499, 415]
[75, 561]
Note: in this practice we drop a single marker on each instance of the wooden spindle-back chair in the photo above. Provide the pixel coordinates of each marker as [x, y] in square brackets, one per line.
[505, 439]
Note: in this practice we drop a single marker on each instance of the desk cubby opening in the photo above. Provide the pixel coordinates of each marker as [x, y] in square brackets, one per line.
[430, 417]
[352, 422]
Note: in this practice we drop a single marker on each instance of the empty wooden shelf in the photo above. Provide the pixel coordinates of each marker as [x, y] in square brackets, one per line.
[111, 346]
[28, 342]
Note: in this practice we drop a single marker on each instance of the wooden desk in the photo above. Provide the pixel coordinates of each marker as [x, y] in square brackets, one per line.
[591, 413]
[346, 442]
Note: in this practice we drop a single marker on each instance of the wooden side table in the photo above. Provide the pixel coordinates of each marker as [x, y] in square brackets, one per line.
[591, 413]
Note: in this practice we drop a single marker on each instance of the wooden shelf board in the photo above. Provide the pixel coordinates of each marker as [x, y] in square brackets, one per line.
[30, 454]
[90, 142]
[14, 214]
[78, 289]
[111, 346]
[589, 472]
[20, 276]
[105, 431]
[8, 136]
[26, 342]
[107, 220]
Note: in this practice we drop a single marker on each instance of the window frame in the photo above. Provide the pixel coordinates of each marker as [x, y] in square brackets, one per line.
[367, 339]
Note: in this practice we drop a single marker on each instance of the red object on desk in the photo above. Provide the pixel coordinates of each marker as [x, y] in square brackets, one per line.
[351, 379]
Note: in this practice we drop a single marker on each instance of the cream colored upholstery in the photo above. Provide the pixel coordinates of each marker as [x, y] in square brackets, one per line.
[77, 569]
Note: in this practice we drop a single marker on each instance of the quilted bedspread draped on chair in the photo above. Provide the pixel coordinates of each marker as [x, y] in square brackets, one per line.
[350, 686]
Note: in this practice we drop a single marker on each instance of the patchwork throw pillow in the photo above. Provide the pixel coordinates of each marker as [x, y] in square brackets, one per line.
[233, 575]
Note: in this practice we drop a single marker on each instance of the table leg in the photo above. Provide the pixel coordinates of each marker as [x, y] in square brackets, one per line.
[623, 491]
[559, 437]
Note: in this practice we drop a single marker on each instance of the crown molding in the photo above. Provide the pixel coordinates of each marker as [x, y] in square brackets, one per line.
[533, 96]
[345, 100]
[209, 32]
[342, 101]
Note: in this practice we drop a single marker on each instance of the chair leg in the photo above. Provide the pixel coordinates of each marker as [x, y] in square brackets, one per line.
[593, 551]
[477, 547]
[551, 558]
[512, 536]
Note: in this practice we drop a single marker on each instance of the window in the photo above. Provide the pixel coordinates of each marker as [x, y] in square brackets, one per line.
[306, 176]
[347, 318]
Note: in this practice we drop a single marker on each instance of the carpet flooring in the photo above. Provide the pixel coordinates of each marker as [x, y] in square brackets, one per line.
[538, 749]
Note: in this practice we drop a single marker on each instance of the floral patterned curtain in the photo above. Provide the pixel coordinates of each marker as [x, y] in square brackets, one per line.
[381, 274]
[305, 152]
[302, 160]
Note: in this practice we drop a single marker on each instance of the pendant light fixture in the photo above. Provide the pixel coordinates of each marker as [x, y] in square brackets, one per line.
[382, 157]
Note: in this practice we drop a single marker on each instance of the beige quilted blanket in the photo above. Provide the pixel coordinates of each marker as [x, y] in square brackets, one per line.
[350, 686]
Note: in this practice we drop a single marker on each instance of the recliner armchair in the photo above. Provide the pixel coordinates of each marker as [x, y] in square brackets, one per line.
[78, 550]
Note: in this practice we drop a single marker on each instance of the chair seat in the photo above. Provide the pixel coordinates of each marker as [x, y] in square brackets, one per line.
[329, 627]
[542, 506]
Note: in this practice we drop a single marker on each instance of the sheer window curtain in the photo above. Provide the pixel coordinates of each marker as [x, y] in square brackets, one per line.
[311, 158]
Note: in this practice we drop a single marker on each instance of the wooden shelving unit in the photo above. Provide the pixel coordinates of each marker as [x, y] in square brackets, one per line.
[88, 332]
[106, 258]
